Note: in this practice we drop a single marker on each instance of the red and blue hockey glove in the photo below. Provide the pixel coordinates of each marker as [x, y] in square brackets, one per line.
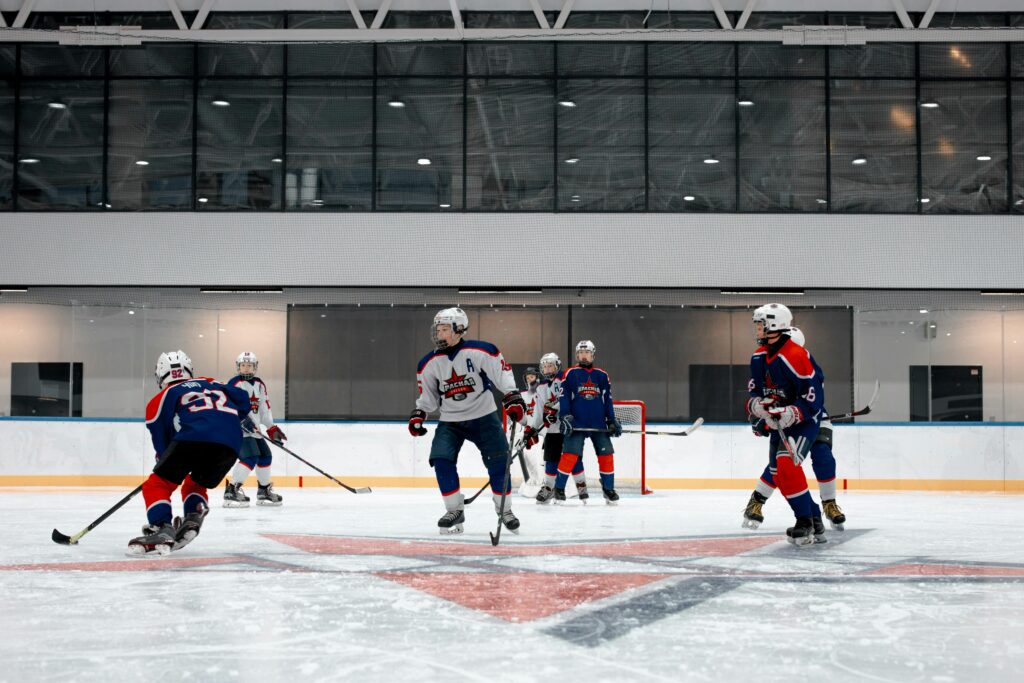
[514, 405]
[276, 434]
[784, 417]
[416, 427]
[614, 428]
[758, 407]
[566, 423]
[531, 437]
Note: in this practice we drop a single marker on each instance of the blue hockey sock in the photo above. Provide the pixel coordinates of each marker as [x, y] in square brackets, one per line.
[447, 476]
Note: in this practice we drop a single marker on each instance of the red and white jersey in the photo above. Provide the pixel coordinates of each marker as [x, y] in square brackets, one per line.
[258, 397]
[532, 405]
[549, 391]
[458, 380]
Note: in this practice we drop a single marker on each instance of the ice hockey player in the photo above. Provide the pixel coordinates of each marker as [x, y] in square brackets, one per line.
[532, 378]
[586, 404]
[822, 461]
[255, 453]
[457, 378]
[786, 392]
[549, 394]
[195, 426]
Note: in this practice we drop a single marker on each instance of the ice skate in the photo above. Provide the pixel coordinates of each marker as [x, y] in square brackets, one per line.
[234, 496]
[834, 513]
[610, 496]
[819, 530]
[451, 522]
[752, 515]
[802, 533]
[265, 495]
[545, 495]
[159, 542]
[510, 521]
[581, 487]
[559, 496]
[188, 528]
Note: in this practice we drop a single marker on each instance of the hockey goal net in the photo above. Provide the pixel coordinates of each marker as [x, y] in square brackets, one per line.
[630, 457]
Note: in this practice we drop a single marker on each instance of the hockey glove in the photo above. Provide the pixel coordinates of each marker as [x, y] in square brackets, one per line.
[249, 426]
[416, 427]
[551, 416]
[514, 405]
[784, 417]
[276, 434]
[759, 427]
[531, 437]
[758, 407]
[614, 428]
[566, 426]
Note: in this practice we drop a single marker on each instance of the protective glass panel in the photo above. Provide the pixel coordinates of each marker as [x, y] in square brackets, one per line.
[419, 144]
[251, 59]
[611, 58]
[58, 61]
[239, 155]
[510, 134]
[601, 145]
[963, 147]
[328, 59]
[330, 153]
[774, 60]
[61, 145]
[692, 122]
[890, 60]
[151, 58]
[1013, 370]
[782, 146]
[874, 146]
[7, 105]
[150, 147]
[1018, 147]
[510, 59]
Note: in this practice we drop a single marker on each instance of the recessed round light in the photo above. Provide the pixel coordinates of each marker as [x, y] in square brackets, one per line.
[984, 157]
[202, 200]
[445, 206]
[142, 162]
[922, 310]
[568, 104]
[689, 198]
[821, 201]
[221, 103]
[925, 200]
[423, 162]
[746, 103]
[317, 202]
[56, 105]
[574, 160]
[131, 312]
[930, 104]
[397, 104]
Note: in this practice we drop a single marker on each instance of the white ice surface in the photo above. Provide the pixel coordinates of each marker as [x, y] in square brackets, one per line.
[271, 611]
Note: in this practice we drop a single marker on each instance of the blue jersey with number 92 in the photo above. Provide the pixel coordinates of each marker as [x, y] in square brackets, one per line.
[198, 409]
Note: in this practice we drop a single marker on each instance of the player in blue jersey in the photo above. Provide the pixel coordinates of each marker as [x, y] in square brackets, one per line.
[786, 392]
[195, 426]
[587, 410]
[456, 377]
[823, 462]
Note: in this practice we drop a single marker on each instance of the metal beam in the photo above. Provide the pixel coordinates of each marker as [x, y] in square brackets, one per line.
[176, 13]
[926, 20]
[723, 18]
[3, 22]
[456, 15]
[356, 14]
[901, 12]
[26, 9]
[542, 19]
[204, 11]
[563, 16]
[742, 23]
[382, 13]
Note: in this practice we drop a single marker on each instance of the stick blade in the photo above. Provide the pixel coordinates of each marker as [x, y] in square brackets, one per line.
[60, 538]
[364, 489]
[494, 539]
[694, 427]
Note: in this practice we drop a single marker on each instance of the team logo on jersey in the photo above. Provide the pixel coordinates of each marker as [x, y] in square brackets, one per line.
[457, 387]
[589, 390]
[254, 401]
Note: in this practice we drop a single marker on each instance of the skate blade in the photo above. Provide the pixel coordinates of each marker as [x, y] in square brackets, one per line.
[450, 531]
[513, 531]
[543, 502]
[269, 503]
[142, 551]
[803, 541]
[235, 504]
[818, 540]
[611, 502]
[838, 526]
[751, 524]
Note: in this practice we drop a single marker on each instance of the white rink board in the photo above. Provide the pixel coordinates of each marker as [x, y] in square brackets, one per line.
[385, 449]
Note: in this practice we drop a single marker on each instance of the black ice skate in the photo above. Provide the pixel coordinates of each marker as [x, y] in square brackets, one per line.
[159, 542]
[234, 496]
[610, 496]
[265, 495]
[545, 494]
[188, 528]
[559, 496]
[581, 487]
[802, 533]
[452, 522]
[819, 530]
[510, 521]
[753, 516]
[834, 513]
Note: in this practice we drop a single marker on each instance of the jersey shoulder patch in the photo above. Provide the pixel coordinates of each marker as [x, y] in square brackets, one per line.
[798, 359]
[154, 405]
[486, 347]
[426, 359]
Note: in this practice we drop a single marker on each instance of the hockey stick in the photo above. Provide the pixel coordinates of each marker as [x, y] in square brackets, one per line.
[64, 539]
[686, 432]
[361, 489]
[495, 537]
[857, 413]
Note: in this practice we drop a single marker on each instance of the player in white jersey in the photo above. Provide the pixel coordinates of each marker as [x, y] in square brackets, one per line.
[255, 453]
[533, 380]
[549, 393]
[457, 378]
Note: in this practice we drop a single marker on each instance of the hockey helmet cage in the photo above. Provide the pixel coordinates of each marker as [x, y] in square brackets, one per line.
[550, 358]
[247, 357]
[456, 317]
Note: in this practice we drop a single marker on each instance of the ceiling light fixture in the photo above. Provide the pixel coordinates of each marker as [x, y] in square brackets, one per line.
[220, 290]
[276, 160]
[501, 291]
[56, 105]
[573, 160]
[568, 104]
[764, 292]
[711, 160]
[689, 198]
[397, 104]
[423, 162]
[859, 161]
[746, 103]
[221, 103]
[28, 160]
[930, 104]
[142, 162]
[984, 157]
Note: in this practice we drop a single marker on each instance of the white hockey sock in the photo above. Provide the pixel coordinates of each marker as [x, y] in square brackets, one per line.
[549, 480]
[764, 489]
[263, 475]
[580, 478]
[239, 473]
[453, 502]
[497, 503]
[827, 489]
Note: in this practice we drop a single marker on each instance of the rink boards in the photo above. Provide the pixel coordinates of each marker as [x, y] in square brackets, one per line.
[974, 457]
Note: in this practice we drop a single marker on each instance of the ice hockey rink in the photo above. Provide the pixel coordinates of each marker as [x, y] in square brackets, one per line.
[331, 586]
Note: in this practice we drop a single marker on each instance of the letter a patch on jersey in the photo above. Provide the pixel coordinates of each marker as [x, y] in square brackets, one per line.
[457, 387]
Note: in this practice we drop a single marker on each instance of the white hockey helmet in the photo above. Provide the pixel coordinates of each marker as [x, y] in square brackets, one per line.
[586, 345]
[774, 317]
[797, 335]
[247, 357]
[171, 367]
[456, 317]
[550, 359]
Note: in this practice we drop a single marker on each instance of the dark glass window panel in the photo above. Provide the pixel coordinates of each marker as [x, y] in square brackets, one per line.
[49, 60]
[505, 19]
[151, 58]
[46, 389]
[609, 58]
[328, 59]
[330, 137]
[419, 20]
[238, 144]
[250, 59]
[669, 19]
[625, 20]
[969, 122]
[510, 58]
[691, 121]
[6, 144]
[719, 392]
[774, 60]
[874, 125]
[150, 121]
[892, 60]
[66, 142]
[429, 126]
[7, 60]
[782, 146]
[510, 134]
[1018, 146]
[1017, 49]
[964, 60]
[419, 59]
[691, 59]
[605, 132]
